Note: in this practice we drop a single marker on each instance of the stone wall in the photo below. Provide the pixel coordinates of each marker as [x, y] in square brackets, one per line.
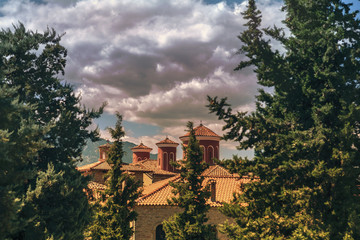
[149, 217]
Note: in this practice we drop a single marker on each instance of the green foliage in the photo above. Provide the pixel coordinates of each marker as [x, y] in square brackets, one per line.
[192, 196]
[48, 217]
[20, 139]
[305, 130]
[42, 122]
[115, 211]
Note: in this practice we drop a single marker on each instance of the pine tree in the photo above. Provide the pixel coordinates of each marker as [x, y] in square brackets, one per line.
[15, 150]
[305, 130]
[52, 130]
[115, 212]
[192, 196]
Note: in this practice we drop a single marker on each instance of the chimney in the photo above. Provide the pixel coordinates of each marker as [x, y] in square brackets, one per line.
[213, 190]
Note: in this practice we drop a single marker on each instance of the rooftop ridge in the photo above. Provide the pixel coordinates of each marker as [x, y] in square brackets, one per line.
[167, 141]
[213, 169]
[166, 183]
[141, 146]
[90, 166]
[225, 189]
[202, 130]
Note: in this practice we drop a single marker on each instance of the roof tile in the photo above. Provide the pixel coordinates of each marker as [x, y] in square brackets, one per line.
[201, 130]
[141, 146]
[160, 192]
[167, 141]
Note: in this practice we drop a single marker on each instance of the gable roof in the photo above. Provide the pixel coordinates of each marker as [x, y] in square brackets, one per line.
[102, 166]
[157, 194]
[226, 185]
[88, 167]
[218, 171]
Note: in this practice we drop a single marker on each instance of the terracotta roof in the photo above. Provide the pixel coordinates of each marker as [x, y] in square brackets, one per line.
[167, 141]
[151, 189]
[102, 166]
[218, 171]
[151, 165]
[96, 186]
[148, 165]
[158, 193]
[141, 146]
[88, 167]
[134, 168]
[201, 130]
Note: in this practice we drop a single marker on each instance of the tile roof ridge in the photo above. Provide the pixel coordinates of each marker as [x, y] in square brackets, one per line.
[176, 177]
[96, 164]
[91, 165]
[224, 176]
[213, 169]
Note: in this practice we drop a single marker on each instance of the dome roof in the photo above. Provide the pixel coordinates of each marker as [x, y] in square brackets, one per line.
[141, 146]
[167, 141]
[201, 130]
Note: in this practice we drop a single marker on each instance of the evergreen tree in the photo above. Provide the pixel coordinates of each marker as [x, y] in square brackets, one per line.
[305, 131]
[192, 196]
[15, 150]
[52, 130]
[115, 212]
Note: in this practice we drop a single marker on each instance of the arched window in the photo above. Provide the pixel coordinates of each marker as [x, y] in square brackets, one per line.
[103, 155]
[171, 160]
[172, 156]
[204, 152]
[210, 154]
[166, 161]
[160, 234]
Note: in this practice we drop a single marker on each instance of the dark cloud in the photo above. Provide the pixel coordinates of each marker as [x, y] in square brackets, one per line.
[154, 61]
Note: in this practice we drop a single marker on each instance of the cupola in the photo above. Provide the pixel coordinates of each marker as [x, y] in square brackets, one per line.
[208, 140]
[166, 154]
[141, 152]
[103, 151]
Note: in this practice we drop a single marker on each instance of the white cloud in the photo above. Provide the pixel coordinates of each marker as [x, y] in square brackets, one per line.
[153, 61]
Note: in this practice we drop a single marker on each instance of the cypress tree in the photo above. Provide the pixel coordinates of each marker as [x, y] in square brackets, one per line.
[305, 130]
[192, 196]
[115, 211]
[45, 141]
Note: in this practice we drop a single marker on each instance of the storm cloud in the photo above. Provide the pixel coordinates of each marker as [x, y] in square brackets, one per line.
[153, 61]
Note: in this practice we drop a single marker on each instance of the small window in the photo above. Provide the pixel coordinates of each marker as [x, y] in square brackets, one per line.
[160, 234]
[203, 152]
[171, 156]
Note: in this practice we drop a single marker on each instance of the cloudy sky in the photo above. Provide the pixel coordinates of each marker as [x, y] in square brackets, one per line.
[154, 61]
